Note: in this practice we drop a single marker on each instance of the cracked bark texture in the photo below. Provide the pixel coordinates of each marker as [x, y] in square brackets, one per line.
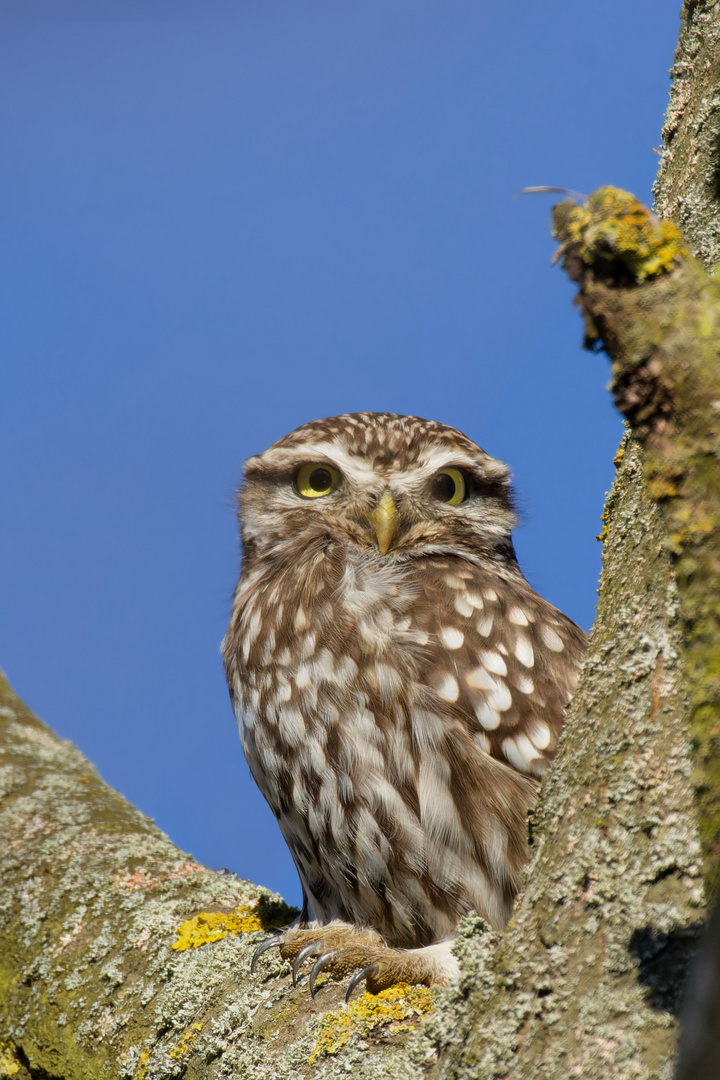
[588, 978]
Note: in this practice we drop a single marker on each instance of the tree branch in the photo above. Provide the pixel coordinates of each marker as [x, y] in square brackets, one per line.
[587, 978]
[657, 313]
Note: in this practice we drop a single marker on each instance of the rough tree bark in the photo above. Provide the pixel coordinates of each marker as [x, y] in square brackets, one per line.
[588, 978]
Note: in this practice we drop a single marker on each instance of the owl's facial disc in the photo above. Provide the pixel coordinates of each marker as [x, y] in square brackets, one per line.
[390, 484]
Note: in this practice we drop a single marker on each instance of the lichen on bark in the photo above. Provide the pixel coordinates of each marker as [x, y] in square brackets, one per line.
[93, 897]
[588, 977]
[660, 321]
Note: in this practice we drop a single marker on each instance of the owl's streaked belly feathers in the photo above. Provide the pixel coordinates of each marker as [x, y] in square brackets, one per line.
[396, 714]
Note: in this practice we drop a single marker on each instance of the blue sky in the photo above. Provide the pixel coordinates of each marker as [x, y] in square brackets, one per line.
[221, 220]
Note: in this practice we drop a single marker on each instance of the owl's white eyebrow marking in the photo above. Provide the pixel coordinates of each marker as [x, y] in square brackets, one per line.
[447, 688]
[540, 734]
[517, 615]
[553, 641]
[360, 469]
[451, 637]
[493, 662]
[354, 466]
[524, 651]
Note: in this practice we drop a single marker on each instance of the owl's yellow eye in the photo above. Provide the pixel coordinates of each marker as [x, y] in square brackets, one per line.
[314, 480]
[449, 486]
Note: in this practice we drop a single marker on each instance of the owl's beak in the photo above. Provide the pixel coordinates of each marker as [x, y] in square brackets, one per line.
[384, 521]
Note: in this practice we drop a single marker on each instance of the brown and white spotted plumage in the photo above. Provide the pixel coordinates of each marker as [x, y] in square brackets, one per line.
[399, 686]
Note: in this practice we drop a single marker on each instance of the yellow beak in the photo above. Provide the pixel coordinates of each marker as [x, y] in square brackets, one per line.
[384, 521]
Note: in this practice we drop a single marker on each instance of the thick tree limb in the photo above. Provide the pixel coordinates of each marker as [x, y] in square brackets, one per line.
[586, 980]
[657, 312]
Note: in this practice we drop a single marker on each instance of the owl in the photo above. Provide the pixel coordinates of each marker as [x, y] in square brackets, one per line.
[398, 685]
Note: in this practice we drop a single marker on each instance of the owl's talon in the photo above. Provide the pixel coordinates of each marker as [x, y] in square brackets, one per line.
[320, 964]
[315, 948]
[263, 947]
[371, 969]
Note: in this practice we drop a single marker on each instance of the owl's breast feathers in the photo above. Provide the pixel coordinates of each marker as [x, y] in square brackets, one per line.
[396, 716]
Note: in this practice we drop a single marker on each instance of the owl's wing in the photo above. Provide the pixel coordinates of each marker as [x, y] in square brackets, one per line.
[501, 658]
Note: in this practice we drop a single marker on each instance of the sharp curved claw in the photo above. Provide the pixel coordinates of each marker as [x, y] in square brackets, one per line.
[371, 969]
[313, 949]
[269, 943]
[320, 964]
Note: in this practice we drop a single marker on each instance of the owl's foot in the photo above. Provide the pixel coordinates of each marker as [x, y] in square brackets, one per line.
[339, 949]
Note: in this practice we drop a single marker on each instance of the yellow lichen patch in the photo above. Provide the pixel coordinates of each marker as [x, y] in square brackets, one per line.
[604, 517]
[613, 227]
[9, 1064]
[369, 1013]
[186, 1043]
[211, 926]
[142, 1068]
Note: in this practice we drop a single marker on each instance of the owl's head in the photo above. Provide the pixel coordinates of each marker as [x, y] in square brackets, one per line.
[397, 485]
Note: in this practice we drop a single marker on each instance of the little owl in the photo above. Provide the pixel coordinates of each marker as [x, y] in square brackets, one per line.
[398, 685]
